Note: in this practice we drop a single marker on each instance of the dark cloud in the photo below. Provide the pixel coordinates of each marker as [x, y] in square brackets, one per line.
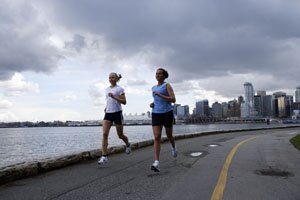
[194, 39]
[197, 38]
[77, 43]
[24, 40]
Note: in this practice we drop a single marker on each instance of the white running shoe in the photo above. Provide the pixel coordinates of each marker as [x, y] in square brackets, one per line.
[155, 166]
[102, 160]
[128, 149]
[174, 152]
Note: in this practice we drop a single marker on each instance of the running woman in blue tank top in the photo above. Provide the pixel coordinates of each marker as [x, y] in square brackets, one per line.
[162, 114]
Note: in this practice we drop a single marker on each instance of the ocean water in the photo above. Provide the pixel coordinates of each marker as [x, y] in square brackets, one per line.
[19, 145]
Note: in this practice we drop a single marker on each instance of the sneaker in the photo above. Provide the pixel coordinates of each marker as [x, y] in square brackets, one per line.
[174, 152]
[155, 166]
[128, 149]
[102, 160]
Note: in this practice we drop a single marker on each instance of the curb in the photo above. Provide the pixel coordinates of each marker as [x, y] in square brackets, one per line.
[26, 169]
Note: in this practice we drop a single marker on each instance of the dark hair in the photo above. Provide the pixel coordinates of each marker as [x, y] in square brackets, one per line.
[165, 73]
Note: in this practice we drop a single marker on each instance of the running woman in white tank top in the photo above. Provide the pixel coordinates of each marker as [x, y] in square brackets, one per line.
[115, 96]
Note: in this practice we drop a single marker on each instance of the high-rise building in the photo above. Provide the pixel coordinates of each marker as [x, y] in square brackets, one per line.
[297, 94]
[279, 104]
[249, 99]
[234, 109]
[258, 106]
[268, 106]
[183, 111]
[243, 109]
[296, 110]
[175, 106]
[289, 105]
[296, 106]
[217, 110]
[202, 108]
[224, 109]
[259, 103]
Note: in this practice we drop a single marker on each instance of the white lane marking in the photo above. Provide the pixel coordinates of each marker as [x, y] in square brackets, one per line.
[292, 133]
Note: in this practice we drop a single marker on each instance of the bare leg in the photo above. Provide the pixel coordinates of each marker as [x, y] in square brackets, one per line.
[119, 128]
[157, 136]
[106, 127]
[169, 133]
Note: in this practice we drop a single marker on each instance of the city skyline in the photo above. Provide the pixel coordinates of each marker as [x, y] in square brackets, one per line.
[190, 110]
[55, 56]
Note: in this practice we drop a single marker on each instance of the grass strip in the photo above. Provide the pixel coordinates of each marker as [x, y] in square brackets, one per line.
[296, 141]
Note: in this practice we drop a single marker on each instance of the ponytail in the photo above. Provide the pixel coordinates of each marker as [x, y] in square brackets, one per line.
[119, 76]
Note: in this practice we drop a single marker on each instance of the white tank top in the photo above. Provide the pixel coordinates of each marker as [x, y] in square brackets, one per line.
[113, 105]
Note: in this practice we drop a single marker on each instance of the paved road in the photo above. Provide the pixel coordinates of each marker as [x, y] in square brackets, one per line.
[265, 167]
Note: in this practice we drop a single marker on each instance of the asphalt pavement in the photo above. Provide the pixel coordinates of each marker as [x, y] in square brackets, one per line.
[252, 165]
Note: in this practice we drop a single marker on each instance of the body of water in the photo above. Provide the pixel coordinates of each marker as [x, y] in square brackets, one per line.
[30, 144]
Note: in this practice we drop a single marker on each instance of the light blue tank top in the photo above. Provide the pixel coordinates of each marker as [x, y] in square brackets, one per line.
[161, 105]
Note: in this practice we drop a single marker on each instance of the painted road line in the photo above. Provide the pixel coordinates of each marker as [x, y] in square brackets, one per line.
[220, 187]
[293, 133]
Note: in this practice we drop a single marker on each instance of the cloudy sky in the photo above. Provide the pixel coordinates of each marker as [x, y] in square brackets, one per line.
[55, 56]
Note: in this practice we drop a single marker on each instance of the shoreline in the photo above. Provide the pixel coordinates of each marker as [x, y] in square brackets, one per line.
[27, 169]
[178, 122]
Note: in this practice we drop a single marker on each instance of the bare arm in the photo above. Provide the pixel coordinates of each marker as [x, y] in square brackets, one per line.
[152, 105]
[121, 99]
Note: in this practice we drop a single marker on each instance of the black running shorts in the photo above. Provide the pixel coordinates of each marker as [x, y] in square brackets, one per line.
[116, 117]
[163, 119]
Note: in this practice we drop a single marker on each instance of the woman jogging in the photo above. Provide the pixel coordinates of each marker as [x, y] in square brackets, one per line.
[162, 114]
[115, 96]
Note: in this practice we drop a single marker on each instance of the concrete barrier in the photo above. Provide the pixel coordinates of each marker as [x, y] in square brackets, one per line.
[26, 169]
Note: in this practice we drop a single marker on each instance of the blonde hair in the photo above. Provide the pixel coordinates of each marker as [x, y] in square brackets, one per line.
[119, 76]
